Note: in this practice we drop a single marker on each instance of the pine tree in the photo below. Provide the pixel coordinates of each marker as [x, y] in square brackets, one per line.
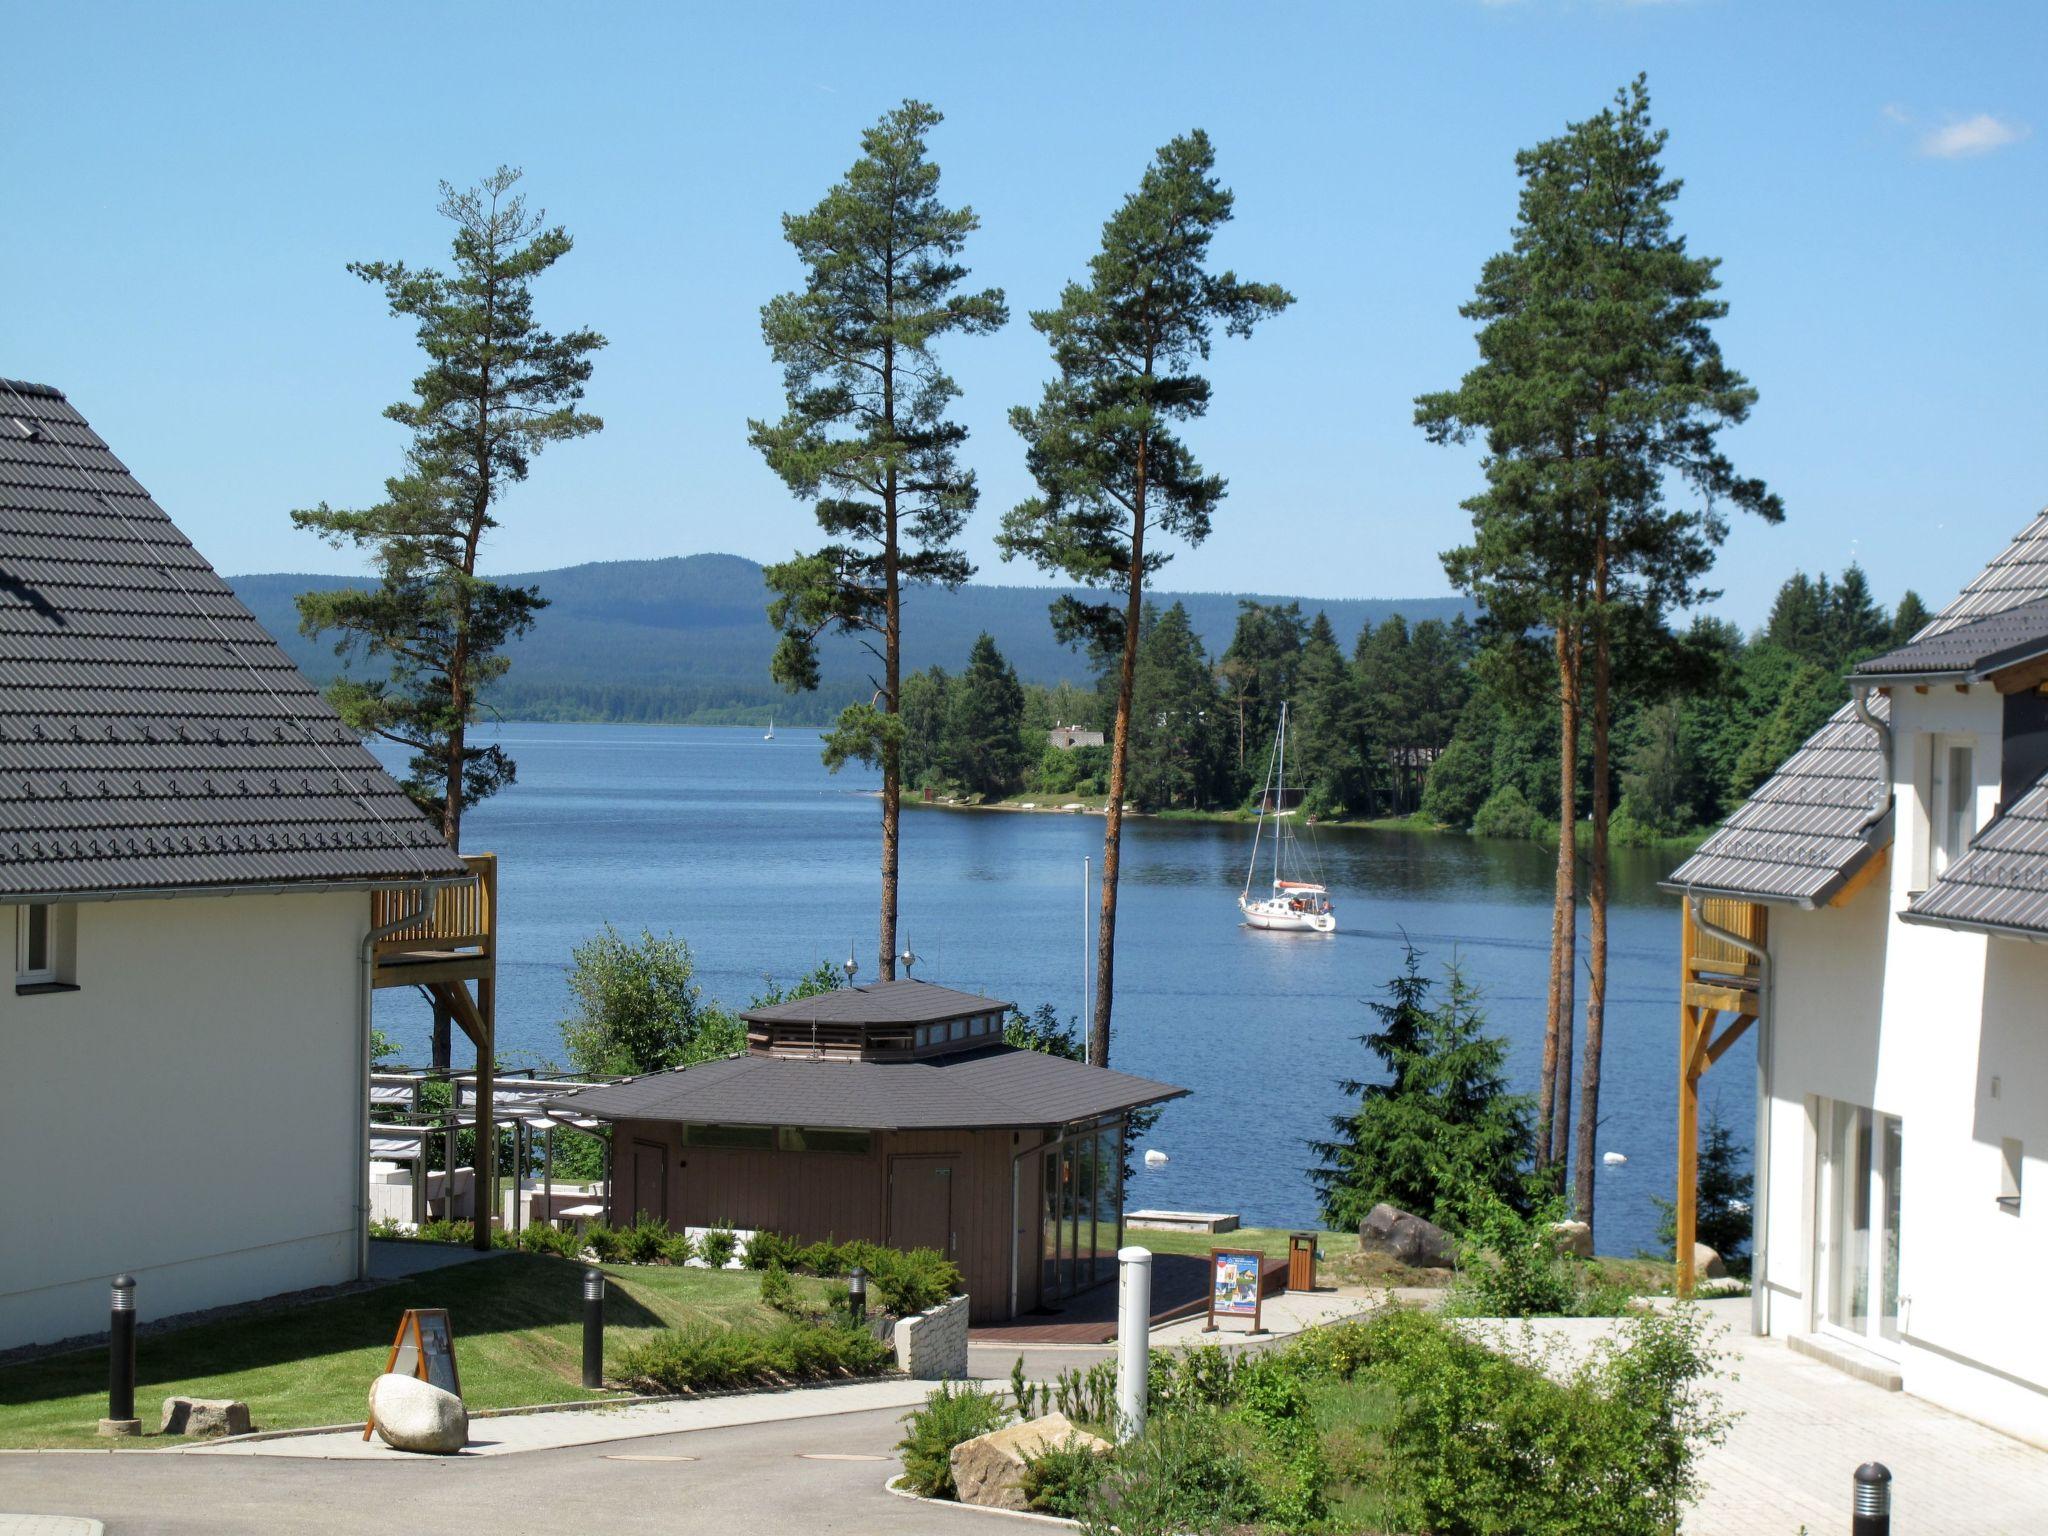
[1112, 474]
[984, 741]
[1912, 616]
[865, 436]
[496, 391]
[1439, 1122]
[1331, 747]
[1599, 393]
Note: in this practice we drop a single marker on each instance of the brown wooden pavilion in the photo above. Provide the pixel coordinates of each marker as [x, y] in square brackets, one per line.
[893, 1113]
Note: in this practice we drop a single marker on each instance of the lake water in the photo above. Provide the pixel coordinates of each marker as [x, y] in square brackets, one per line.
[767, 864]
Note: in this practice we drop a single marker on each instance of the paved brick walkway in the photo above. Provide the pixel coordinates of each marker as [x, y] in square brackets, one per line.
[1804, 1429]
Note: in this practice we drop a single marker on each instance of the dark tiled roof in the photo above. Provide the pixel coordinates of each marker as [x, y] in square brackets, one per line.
[2002, 882]
[1796, 838]
[999, 1087]
[152, 736]
[902, 1001]
[1972, 651]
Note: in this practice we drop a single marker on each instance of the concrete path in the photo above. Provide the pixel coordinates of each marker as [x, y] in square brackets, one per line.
[48, 1525]
[510, 1434]
[1805, 1428]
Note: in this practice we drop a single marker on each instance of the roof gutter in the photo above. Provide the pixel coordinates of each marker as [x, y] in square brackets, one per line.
[271, 888]
[1969, 925]
[1766, 1065]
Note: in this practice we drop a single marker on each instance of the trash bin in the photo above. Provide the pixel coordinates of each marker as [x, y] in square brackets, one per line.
[1301, 1261]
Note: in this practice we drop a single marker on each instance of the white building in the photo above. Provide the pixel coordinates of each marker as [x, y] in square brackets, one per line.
[189, 840]
[1880, 909]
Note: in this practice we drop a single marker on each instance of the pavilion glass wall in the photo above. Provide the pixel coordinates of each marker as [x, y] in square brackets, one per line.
[1083, 1207]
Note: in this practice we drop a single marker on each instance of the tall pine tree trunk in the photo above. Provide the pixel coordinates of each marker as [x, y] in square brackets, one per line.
[1557, 1044]
[1596, 981]
[892, 751]
[1119, 772]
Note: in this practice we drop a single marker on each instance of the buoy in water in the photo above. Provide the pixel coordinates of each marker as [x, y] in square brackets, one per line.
[1154, 1158]
[1614, 1159]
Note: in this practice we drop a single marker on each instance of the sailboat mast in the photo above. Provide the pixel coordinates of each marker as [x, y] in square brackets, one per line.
[1280, 797]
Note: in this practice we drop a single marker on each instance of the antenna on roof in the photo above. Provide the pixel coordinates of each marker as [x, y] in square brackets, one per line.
[849, 965]
[907, 959]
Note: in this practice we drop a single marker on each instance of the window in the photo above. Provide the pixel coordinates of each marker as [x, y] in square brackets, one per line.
[809, 1138]
[1953, 803]
[2009, 1170]
[42, 947]
[743, 1137]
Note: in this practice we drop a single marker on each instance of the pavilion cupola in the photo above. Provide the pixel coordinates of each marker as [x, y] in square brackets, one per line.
[902, 1020]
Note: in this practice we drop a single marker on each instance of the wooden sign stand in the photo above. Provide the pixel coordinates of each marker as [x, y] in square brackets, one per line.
[424, 1350]
[1218, 1269]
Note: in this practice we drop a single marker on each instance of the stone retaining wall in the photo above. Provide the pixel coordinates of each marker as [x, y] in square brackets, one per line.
[932, 1346]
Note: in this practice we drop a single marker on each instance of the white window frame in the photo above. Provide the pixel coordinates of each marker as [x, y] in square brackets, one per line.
[1940, 849]
[25, 918]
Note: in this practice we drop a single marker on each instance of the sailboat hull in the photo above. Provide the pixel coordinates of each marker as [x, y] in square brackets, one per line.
[1277, 917]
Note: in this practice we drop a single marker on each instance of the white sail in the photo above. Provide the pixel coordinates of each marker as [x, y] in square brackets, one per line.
[1299, 901]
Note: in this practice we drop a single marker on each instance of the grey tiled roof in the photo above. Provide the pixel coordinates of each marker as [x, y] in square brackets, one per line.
[902, 1001]
[2002, 882]
[1807, 829]
[1000, 1087]
[1972, 650]
[152, 736]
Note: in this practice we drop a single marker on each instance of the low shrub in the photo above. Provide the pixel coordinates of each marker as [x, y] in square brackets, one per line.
[442, 1230]
[771, 1250]
[917, 1281]
[1063, 1478]
[385, 1226]
[779, 1292]
[608, 1243]
[954, 1413]
[716, 1247]
[1185, 1474]
[703, 1356]
[646, 1240]
[542, 1237]
[1506, 813]
[678, 1249]
[1483, 1441]
[1510, 1265]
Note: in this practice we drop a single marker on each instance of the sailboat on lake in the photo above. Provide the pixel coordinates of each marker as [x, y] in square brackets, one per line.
[770, 734]
[1300, 902]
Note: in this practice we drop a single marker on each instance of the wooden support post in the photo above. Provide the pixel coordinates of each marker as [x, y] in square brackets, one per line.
[486, 1173]
[1691, 1025]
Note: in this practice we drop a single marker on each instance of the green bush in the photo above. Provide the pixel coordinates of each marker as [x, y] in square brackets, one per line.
[952, 1414]
[608, 1243]
[1510, 1265]
[771, 1250]
[1062, 1479]
[704, 1356]
[385, 1226]
[1186, 1474]
[1506, 814]
[917, 1281]
[1482, 1442]
[646, 1240]
[717, 1245]
[678, 1249]
[819, 1259]
[779, 1291]
[542, 1237]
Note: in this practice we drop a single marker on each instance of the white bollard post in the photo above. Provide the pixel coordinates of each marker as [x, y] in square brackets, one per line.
[1133, 1339]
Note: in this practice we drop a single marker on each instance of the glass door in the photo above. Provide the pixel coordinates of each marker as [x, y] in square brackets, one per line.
[1858, 1249]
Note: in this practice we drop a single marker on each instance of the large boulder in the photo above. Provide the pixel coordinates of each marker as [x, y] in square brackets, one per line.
[1407, 1238]
[1706, 1263]
[204, 1418]
[989, 1470]
[414, 1415]
[1574, 1238]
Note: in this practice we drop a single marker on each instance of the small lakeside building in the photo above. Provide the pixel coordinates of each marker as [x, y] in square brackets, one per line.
[893, 1113]
[1878, 911]
[204, 875]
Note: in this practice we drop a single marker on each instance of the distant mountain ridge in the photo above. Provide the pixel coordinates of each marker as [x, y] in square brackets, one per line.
[686, 638]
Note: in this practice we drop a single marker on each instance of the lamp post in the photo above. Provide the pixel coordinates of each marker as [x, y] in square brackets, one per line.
[120, 1419]
[593, 1328]
[857, 1294]
[1873, 1508]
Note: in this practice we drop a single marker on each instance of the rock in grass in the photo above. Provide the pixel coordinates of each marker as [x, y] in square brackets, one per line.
[1574, 1238]
[1706, 1264]
[414, 1415]
[1407, 1238]
[989, 1469]
[204, 1418]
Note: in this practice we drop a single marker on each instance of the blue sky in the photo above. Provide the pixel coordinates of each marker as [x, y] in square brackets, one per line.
[182, 185]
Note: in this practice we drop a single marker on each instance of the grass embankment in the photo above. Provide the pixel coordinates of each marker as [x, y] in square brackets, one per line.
[518, 1321]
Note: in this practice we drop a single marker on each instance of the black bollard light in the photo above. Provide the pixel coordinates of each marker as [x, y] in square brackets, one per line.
[857, 1293]
[1873, 1514]
[593, 1328]
[120, 1419]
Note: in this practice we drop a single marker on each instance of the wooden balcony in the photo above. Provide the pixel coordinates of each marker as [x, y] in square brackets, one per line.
[1716, 974]
[1720, 992]
[456, 940]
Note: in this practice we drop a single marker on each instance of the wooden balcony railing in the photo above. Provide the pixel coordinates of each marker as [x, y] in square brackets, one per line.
[462, 918]
[1711, 964]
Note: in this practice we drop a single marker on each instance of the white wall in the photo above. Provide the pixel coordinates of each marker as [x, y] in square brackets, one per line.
[188, 1114]
[1955, 1010]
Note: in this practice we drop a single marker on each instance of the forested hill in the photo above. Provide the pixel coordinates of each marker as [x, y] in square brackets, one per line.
[687, 639]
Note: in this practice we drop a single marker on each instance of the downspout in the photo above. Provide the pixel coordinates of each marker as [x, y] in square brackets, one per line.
[1766, 1051]
[366, 964]
[1860, 697]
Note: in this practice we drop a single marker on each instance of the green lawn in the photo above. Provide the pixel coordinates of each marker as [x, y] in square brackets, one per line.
[518, 1322]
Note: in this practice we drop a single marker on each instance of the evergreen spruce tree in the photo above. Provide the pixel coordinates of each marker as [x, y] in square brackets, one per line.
[1438, 1123]
[1113, 476]
[984, 741]
[496, 391]
[1909, 619]
[866, 437]
[1330, 747]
